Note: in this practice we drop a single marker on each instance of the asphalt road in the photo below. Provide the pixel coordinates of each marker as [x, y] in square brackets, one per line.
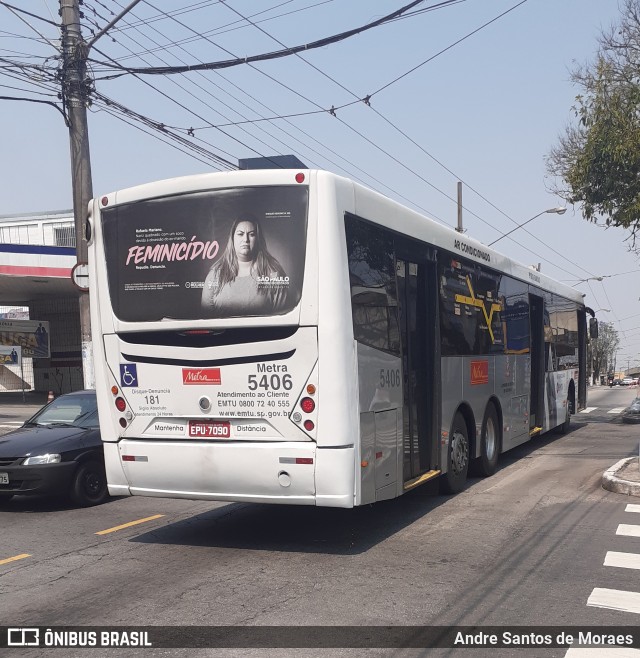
[529, 546]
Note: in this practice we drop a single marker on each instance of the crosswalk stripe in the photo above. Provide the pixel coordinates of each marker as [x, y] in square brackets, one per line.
[632, 508]
[626, 560]
[627, 530]
[617, 410]
[602, 652]
[615, 599]
[588, 410]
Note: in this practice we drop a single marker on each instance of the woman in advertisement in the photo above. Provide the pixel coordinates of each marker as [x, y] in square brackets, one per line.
[247, 279]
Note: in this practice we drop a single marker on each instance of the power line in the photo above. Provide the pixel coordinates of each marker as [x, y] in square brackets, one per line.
[28, 13]
[279, 82]
[402, 132]
[117, 110]
[221, 29]
[272, 55]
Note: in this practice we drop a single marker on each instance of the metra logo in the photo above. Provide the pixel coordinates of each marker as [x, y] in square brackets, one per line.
[201, 376]
[479, 372]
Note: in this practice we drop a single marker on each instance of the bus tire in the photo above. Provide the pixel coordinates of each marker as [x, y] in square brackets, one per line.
[455, 478]
[89, 486]
[564, 428]
[487, 463]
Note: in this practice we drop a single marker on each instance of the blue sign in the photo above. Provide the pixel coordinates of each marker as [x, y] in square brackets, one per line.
[128, 375]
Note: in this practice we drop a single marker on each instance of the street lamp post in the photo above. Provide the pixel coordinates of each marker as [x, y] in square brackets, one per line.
[558, 211]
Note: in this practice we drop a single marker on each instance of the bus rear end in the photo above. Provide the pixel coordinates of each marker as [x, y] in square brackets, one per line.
[204, 303]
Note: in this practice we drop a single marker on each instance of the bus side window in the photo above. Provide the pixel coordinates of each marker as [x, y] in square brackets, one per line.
[372, 275]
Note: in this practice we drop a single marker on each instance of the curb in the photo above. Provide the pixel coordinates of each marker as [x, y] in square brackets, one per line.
[611, 482]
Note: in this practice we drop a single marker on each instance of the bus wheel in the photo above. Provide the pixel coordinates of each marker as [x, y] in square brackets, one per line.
[564, 428]
[487, 463]
[458, 457]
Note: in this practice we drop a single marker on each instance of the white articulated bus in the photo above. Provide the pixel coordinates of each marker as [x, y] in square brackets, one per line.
[285, 336]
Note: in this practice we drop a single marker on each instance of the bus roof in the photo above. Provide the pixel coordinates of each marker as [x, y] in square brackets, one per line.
[369, 205]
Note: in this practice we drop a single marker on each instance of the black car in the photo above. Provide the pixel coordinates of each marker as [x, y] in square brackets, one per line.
[56, 452]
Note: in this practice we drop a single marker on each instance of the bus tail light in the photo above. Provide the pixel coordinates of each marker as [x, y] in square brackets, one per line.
[121, 405]
[305, 414]
[307, 405]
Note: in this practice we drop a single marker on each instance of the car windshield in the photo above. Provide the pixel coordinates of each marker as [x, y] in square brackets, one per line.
[75, 410]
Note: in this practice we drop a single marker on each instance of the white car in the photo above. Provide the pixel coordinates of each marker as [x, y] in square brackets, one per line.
[627, 381]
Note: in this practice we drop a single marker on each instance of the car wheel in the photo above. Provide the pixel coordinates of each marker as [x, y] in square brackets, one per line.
[487, 463]
[458, 457]
[89, 485]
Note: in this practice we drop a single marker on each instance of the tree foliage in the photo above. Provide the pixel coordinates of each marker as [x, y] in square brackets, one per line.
[604, 349]
[597, 160]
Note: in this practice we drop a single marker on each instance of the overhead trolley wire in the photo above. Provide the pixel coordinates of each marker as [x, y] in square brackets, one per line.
[221, 29]
[200, 87]
[112, 104]
[279, 82]
[402, 132]
[320, 43]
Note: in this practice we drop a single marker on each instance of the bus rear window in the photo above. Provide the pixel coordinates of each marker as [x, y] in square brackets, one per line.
[220, 254]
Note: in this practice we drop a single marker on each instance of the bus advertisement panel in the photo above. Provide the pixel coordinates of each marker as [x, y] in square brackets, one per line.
[216, 254]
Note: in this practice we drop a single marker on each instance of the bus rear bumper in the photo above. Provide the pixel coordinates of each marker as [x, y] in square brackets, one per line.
[275, 473]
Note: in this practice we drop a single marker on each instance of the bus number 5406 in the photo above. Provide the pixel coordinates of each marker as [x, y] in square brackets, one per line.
[389, 378]
[271, 382]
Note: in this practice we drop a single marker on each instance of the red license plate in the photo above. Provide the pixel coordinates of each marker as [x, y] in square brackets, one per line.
[210, 429]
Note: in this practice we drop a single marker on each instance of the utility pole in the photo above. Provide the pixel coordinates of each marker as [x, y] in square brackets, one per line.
[76, 87]
[75, 91]
[459, 227]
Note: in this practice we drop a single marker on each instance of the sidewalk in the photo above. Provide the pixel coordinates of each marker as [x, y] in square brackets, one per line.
[13, 407]
[623, 477]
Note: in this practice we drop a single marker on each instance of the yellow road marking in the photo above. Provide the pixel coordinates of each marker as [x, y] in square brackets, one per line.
[22, 556]
[128, 525]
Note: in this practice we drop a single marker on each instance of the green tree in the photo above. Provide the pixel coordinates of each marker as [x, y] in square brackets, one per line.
[603, 349]
[597, 160]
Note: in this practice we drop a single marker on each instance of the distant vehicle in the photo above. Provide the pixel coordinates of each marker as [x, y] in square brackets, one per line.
[627, 381]
[57, 452]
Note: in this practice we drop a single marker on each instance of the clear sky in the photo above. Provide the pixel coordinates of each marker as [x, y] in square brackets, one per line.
[486, 111]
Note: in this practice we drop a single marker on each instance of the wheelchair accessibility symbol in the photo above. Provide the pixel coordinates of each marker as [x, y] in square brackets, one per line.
[128, 375]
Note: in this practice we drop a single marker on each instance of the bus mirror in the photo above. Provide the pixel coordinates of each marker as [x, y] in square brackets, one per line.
[593, 328]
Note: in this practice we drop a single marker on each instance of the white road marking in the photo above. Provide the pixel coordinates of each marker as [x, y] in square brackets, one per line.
[628, 530]
[632, 508]
[588, 410]
[626, 560]
[602, 652]
[615, 599]
[617, 410]
[13, 426]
